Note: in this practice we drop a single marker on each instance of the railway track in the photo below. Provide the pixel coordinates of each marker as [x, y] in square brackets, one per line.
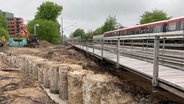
[167, 57]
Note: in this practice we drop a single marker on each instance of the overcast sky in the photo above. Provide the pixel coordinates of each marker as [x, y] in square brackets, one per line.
[90, 14]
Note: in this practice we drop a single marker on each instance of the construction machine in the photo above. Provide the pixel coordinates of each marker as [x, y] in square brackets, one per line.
[32, 41]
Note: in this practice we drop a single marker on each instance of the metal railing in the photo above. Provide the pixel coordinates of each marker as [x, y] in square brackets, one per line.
[159, 50]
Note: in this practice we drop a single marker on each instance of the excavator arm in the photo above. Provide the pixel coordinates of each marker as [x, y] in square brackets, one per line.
[25, 31]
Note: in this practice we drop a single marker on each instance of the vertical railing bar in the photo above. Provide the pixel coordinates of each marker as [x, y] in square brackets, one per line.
[118, 52]
[156, 61]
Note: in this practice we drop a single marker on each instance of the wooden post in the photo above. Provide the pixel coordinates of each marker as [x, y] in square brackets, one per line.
[118, 52]
[155, 61]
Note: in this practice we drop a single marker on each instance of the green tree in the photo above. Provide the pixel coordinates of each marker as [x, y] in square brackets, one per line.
[47, 30]
[49, 11]
[110, 24]
[3, 21]
[3, 26]
[99, 31]
[71, 35]
[90, 34]
[4, 32]
[153, 16]
[46, 17]
[79, 32]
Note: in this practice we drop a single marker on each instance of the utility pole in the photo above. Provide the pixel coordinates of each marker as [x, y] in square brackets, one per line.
[62, 30]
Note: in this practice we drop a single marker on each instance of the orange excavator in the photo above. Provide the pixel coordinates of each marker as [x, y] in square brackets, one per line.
[31, 41]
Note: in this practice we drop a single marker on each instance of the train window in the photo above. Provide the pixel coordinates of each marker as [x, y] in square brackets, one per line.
[151, 29]
[182, 25]
[114, 34]
[125, 32]
[165, 28]
[130, 32]
[137, 31]
[178, 25]
[117, 33]
[172, 26]
[141, 30]
[121, 33]
[158, 28]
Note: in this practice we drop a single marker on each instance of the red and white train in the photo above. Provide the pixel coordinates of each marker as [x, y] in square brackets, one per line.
[161, 28]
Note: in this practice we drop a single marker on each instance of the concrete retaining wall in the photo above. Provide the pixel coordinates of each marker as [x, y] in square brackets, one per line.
[71, 82]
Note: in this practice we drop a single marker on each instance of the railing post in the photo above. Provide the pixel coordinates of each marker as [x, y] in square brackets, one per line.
[93, 47]
[118, 52]
[163, 46]
[155, 61]
[86, 45]
[102, 48]
[143, 45]
[132, 46]
[80, 43]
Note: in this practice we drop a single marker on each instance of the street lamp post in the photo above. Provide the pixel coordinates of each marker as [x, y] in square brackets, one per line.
[35, 29]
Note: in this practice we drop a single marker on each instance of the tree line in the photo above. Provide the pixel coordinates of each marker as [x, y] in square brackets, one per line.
[112, 24]
[3, 26]
[49, 28]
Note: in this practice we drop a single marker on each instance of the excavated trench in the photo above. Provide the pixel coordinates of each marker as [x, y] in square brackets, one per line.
[73, 77]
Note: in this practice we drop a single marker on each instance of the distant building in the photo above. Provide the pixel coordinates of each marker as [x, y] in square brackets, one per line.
[14, 23]
[8, 15]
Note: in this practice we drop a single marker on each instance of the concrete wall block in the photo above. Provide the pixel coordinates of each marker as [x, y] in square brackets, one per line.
[63, 82]
[101, 89]
[35, 65]
[19, 61]
[75, 83]
[93, 87]
[27, 67]
[30, 67]
[23, 64]
[46, 73]
[34, 73]
[46, 79]
[54, 78]
[41, 67]
[40, 75]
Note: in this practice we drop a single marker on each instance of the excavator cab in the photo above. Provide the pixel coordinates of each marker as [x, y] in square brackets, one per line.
[33, 41]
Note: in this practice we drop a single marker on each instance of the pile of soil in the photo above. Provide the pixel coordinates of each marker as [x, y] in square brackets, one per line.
[44, 43]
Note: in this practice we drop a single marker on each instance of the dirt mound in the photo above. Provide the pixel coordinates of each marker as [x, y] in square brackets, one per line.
[4, 48]
[18, 88]
[44, 43]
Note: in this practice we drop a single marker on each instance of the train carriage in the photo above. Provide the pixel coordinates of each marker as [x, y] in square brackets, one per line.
[170, 30]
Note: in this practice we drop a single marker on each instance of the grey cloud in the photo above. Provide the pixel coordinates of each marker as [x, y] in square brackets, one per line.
[90, 14]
